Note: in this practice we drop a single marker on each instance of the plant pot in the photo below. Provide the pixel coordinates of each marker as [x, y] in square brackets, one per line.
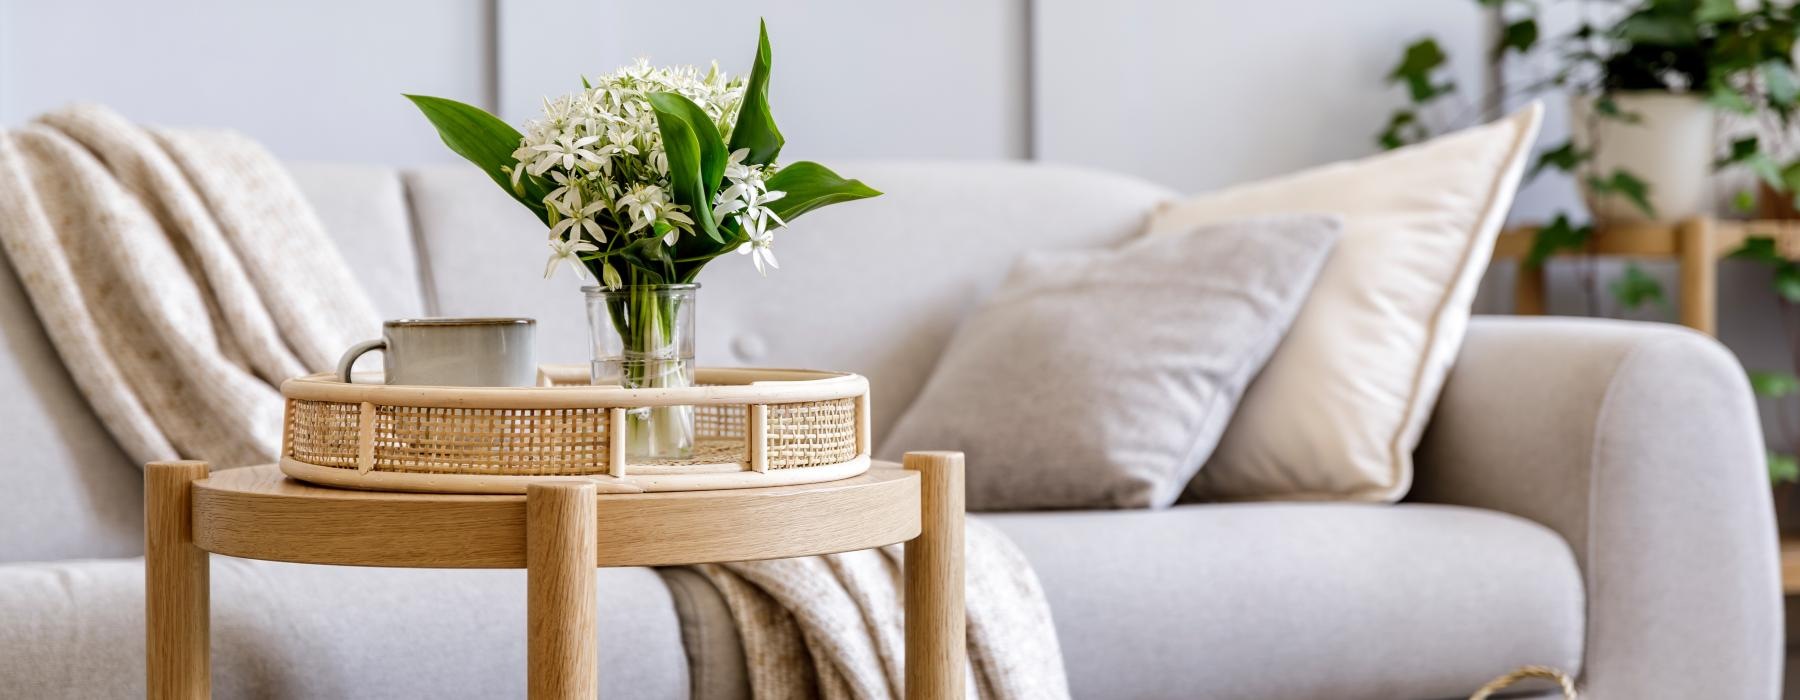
[1669, 146]
[643, 338]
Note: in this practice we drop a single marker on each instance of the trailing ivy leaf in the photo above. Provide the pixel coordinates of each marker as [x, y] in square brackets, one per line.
[1713, 11]
[1722, 95]
[1759, 249]
[809, 186]
[1402, 128]
[1608, 107]
[1518, 36]
[755, 128]
[1635, 288]
[706, 134]
[1744, 202]
[1779, 79]
[1559, 235]
[1625, 184]
[1747, 152]
[1787, 282]
[1783, 468]
[1655, 28]
[484, 140]
[1565, 158]
[685, 169]
[1773, 384]
[1415, 68]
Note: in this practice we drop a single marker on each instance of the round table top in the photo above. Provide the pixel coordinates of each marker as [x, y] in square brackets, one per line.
[260, 513]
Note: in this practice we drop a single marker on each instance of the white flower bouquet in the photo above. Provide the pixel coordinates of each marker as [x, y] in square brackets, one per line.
[643, 177]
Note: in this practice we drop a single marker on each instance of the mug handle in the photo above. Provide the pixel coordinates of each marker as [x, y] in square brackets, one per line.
[357, 351]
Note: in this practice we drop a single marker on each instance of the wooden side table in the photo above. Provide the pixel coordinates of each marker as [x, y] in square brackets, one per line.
[559, 532]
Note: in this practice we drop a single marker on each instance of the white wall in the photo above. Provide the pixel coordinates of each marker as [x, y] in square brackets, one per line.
[314, 80]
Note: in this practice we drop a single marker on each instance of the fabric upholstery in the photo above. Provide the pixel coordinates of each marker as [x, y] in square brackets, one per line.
[1103, 378]
[71, 492]
[874, 286]
[75, 630]
[365, 212]
[1300, 601]
[1337, 411]
[1638, 444]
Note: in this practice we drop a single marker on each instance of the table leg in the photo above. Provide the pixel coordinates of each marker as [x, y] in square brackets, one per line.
[936, 637]
[1699, 275]
[176, 581]
[562, 646]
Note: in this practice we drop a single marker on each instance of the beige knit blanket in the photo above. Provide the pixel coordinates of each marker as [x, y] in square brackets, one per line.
[182, 276]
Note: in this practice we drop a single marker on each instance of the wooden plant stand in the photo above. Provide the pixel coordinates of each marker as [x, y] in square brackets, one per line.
[1696, 245]
[559, 531]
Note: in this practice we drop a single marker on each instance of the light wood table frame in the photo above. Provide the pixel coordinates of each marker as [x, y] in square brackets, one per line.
[559, 532]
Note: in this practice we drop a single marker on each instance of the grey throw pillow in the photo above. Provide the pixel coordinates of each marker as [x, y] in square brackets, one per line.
[1097, 379]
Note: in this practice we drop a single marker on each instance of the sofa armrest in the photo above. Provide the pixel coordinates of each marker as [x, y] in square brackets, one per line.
[1640, 444]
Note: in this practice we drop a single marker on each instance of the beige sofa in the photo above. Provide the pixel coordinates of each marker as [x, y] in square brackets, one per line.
[1589, 496]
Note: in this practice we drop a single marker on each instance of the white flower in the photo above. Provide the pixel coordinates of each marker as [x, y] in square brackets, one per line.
[649, 205]
[564, 152]
[562, 250]
[583, 218]
[759, 251]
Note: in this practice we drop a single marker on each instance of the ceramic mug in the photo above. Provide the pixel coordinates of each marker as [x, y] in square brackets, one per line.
[453, 352]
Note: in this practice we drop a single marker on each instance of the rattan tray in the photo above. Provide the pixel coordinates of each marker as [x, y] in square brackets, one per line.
[755, 427]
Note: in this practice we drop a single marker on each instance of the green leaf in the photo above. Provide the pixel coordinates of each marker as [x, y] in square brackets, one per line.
[484, 140]
[1626, 185]
[1747, 152]
[1783, 468]
[685, 164]
[1559, 235]
[1518, 36]
[1712, 11]
[755, 129]
[1565, 158]
[1658, 29]
[1635, 288]
[1416, 65]
[712, 146]
[809, 186]
[1744, 201]
[1787, 282]
[1608, 107]
[1723, 96]
[1773, 384]
[1402, 128]
[1781, 82]
[1759, 249]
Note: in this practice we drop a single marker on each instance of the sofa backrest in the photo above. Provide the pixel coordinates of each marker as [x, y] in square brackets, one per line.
[874, 287]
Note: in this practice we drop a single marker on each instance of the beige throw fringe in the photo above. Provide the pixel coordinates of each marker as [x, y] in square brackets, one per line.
[182, 276]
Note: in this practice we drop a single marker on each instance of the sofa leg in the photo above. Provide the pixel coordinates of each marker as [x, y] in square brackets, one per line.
[936, 639]
[562, 648]
[176, 581]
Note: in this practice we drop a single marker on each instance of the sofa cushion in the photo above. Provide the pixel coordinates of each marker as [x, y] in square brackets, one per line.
[1338, 410]
[364, 209]
[75, 630]
[848, 295]
[1339, 601]
[1081, 384]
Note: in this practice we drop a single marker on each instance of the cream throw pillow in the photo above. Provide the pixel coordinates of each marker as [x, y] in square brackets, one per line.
[1339, 408]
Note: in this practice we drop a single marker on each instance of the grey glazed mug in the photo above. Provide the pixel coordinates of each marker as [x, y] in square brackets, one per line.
[453, 352]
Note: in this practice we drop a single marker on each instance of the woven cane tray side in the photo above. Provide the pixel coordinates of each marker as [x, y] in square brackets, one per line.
[754, 427]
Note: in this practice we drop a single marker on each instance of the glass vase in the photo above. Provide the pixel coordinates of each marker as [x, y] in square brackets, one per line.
[643, 338]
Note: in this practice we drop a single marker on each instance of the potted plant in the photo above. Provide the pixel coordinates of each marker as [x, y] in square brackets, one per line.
[643, 176]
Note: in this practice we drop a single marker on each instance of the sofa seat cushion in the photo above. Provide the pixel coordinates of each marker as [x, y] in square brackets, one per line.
[76, 630]
[1299, 601]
